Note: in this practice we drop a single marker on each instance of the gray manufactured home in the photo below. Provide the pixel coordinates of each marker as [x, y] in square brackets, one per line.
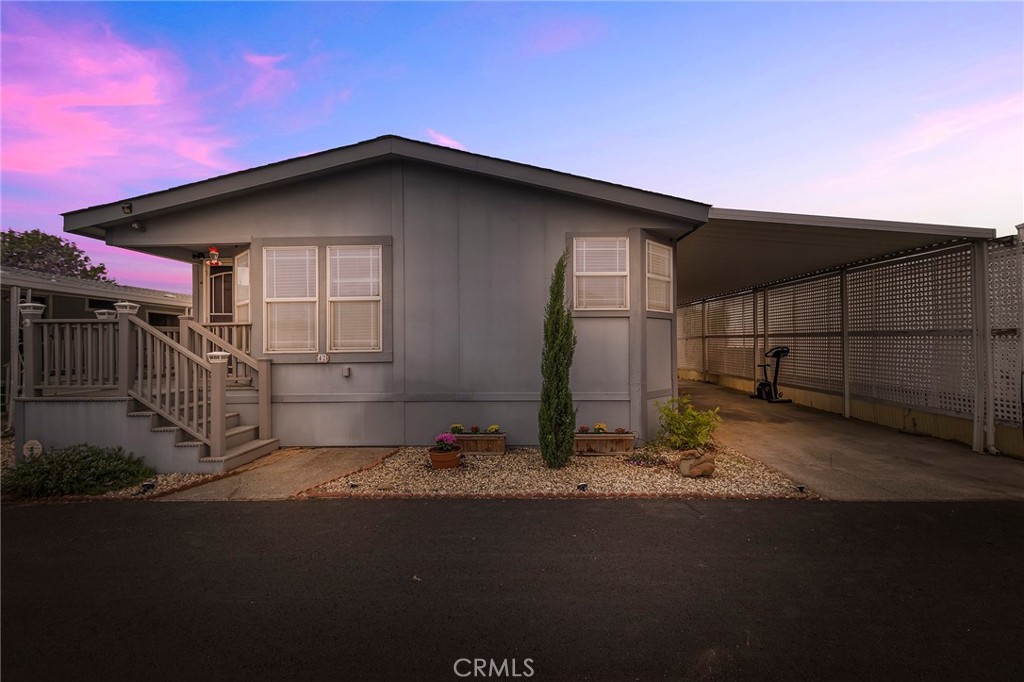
[376, 293]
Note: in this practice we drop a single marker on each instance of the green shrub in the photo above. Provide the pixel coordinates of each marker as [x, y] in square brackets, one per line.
[683, 427]
[76, 470]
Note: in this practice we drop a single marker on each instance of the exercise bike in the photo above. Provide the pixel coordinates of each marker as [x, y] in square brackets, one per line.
[769, 390]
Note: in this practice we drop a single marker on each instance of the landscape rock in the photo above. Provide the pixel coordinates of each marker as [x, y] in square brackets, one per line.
[690, 454]
[702, 466]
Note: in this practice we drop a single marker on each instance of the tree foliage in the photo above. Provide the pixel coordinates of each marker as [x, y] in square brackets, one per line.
[40, 252]
[557, 416]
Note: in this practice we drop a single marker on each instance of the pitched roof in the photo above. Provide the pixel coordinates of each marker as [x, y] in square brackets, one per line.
[92, 221]
[63, 284]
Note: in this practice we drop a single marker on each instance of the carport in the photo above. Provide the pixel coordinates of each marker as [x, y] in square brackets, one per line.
[908, 325]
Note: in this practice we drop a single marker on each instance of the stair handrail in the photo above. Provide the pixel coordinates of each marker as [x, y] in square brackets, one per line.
[179, 385]
[236, 352]
[262, 368]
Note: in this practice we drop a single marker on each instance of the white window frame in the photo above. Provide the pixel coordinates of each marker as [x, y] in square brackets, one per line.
[576, 275]
[243, 261]
[379, 299]
[315, 300]
[653, 276]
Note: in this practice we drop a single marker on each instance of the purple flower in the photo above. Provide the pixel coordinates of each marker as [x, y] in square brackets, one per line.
[446, 441]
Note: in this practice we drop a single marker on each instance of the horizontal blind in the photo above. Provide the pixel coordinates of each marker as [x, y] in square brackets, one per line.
[354, 309]
[289, 279]
[290, 272]
[601, 269]
[659, 277]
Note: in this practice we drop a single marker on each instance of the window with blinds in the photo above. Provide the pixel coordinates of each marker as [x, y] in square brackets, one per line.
[354, 298]
[242, 287]
[601, 273]
[290, 292]
[659, 277]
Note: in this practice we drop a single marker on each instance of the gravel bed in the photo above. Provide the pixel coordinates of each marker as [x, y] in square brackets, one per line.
[521, 473]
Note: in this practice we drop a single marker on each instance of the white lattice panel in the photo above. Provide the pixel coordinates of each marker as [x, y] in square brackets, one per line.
[925, 294]
[689, 341]
[730, 330]
[1006, 311]
[806, 316]
[911, 333]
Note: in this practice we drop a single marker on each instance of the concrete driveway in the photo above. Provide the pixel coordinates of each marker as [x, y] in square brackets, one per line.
[846, 459]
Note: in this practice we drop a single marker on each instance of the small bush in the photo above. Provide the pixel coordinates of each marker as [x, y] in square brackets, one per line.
[683, 427]
[76, 470]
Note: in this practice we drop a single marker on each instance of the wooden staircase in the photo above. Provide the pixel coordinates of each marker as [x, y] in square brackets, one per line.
[242, 442]
[178, 385]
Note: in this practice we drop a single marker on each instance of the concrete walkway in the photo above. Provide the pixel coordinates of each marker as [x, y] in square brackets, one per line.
[846, 459]
[283, 474]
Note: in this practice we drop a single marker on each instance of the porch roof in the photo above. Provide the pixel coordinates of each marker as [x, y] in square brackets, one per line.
[737, 249]
[95, 220]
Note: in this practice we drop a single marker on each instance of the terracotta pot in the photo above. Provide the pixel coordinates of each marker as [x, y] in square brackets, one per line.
[445, 459]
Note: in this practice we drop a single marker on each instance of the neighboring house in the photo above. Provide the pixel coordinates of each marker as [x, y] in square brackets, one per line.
[72, 298]
[376, 293]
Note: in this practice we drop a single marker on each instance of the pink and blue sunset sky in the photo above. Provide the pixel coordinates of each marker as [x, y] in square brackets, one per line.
[903, 111]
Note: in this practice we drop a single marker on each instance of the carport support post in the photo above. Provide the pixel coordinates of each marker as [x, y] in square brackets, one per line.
[982, 337]
[753, 293]
[844, 331]
[704, 340]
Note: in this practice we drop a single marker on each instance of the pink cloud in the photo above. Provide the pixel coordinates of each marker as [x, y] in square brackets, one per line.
[444, 140]
[560, 35]
[80, 101]
[269, 82]
[944, 168]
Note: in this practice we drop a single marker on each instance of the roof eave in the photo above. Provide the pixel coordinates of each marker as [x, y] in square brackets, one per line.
[769, 217]
[92, 221]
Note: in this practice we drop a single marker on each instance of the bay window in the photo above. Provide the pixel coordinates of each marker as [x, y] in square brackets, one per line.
[601, 273]
[659, 277]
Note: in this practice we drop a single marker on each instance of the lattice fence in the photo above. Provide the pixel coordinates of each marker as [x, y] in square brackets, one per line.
[911, 333]
[910, 330]
[1006, 310]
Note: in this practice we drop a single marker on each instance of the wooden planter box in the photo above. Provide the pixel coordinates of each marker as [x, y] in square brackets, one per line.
[603, 443]
[481, 443]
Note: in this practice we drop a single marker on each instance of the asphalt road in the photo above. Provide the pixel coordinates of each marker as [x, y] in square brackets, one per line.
[547, 590]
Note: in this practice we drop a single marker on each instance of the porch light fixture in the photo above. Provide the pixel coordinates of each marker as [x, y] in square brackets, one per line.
[126, 208]
[213, 258]
[138, 226]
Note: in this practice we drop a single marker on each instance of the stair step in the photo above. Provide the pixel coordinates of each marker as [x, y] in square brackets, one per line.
[237, 435]
[243, 454]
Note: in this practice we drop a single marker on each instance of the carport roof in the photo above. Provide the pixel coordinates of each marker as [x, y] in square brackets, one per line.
[738, 250]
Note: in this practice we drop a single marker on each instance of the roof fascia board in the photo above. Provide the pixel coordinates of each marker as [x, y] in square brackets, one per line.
[558, 181]
[769, 217]
[225, 185]
[86, 221]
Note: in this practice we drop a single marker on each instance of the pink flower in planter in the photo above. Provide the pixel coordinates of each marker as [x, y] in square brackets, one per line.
[445, 441]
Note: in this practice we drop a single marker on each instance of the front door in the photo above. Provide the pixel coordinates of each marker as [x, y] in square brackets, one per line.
[221, 294]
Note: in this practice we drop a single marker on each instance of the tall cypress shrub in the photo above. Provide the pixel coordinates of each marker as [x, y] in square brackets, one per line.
[557, 416]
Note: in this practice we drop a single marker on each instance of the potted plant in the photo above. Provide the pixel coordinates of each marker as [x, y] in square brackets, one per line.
[600, 442]
[491, 442]
[446, 451]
